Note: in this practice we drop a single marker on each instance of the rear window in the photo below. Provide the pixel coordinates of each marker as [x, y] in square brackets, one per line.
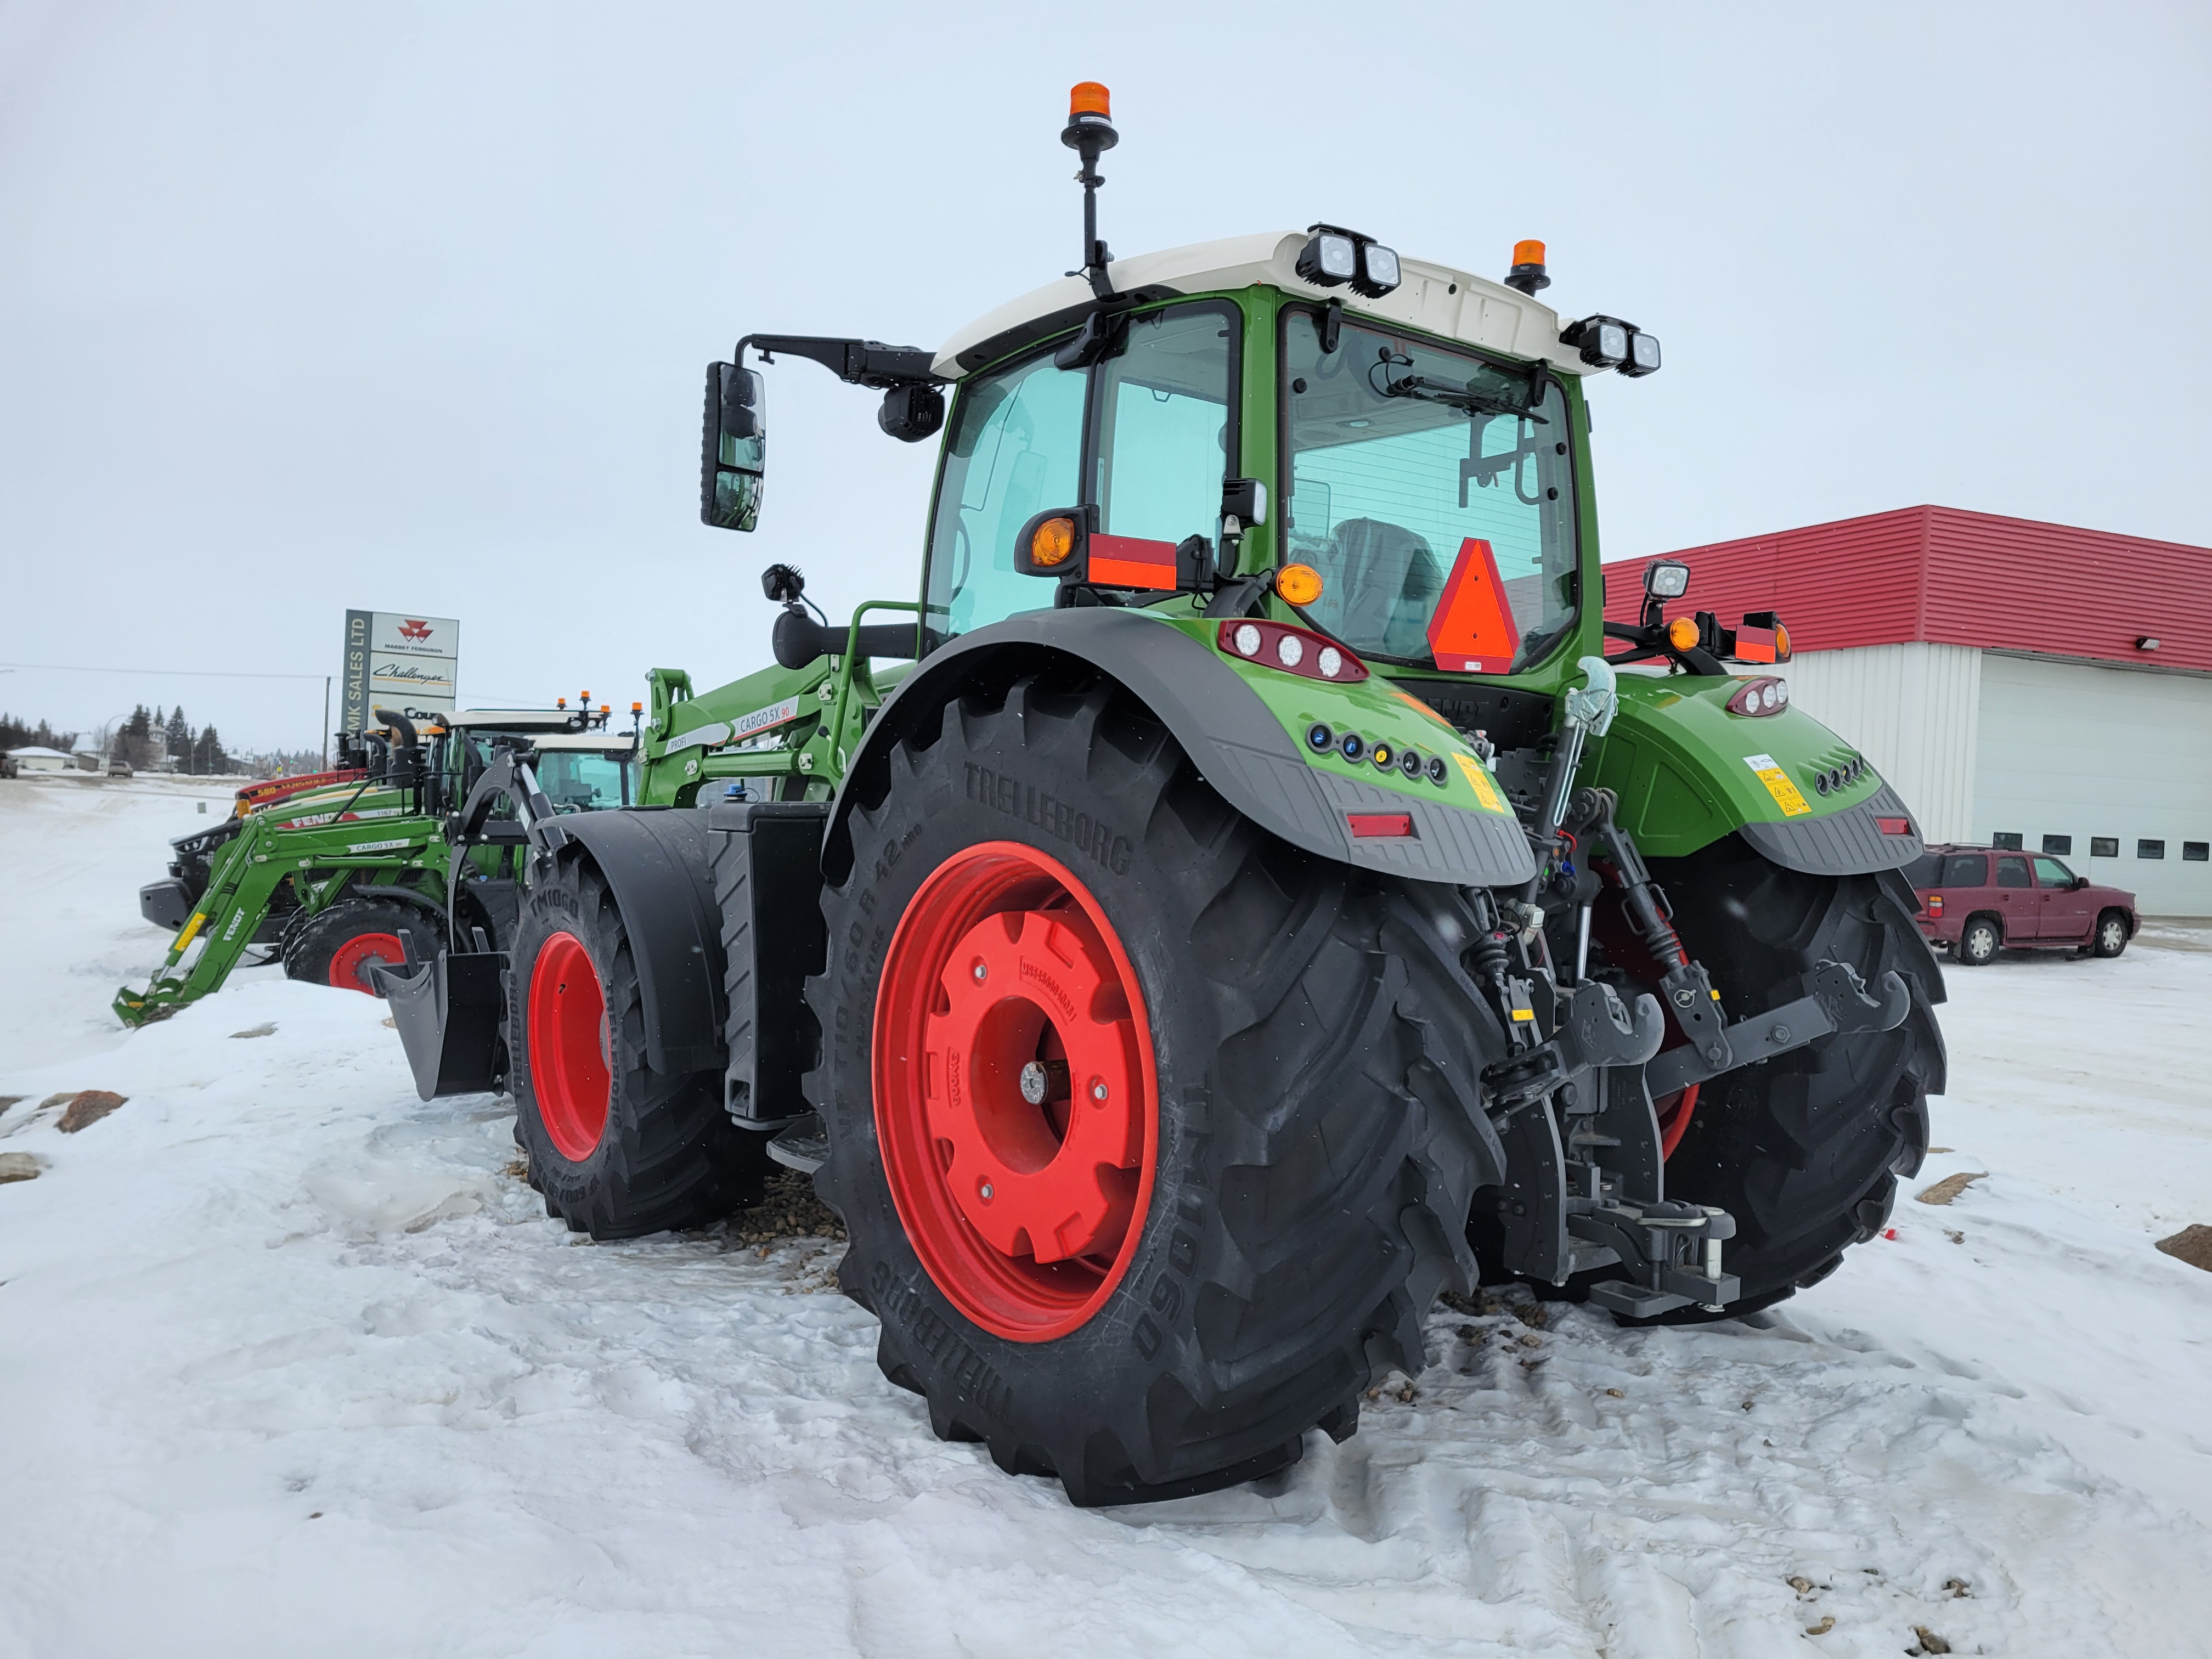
[1965, 869]
[1923, 870]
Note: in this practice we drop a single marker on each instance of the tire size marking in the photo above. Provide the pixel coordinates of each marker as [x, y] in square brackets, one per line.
[1042, 811]
[900, 1302]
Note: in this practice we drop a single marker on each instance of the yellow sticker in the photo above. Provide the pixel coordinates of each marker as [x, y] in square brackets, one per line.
[1479, 781]
[1524, 1013]
[1777, 783]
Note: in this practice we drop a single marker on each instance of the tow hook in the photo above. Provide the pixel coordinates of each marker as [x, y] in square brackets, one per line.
[1659, 1244]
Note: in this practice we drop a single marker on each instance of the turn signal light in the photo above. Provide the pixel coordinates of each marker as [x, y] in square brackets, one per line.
[1934, 904]
[1051, 542]
[1298, 584]
[1682, 633]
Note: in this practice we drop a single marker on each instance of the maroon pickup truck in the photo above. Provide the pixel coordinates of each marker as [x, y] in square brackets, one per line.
[1980, 900]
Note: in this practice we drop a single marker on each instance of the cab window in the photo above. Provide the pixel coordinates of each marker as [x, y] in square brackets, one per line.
[1144, 435]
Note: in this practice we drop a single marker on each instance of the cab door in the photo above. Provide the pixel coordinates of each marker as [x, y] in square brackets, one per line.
[2063, 912]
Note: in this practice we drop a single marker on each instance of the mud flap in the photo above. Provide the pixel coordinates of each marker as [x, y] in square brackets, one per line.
[451, 1014]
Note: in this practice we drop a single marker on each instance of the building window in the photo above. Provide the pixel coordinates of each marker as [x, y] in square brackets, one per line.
[2150, 849]
[2060, 844]
[2195, 852]
[2104, 847]
[2008, 839]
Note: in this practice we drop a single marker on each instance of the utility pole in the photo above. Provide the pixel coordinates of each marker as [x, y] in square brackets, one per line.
[326, 722]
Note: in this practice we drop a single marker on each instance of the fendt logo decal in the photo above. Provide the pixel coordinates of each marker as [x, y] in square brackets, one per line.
[414, 629]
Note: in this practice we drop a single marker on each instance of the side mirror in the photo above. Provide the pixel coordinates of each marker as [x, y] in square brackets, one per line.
[2080, 882]
[1666, 579]
[734, 448]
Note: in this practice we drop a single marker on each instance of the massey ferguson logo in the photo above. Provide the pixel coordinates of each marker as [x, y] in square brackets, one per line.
[413, 629]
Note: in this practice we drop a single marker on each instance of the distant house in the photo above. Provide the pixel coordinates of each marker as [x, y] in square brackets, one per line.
[86, 758]
[35, 759]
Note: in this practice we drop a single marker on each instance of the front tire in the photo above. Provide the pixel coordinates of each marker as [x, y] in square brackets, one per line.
[617, 1148]
[2111, 936]
[1979, 943]
[1274, 1186]
[338, 946]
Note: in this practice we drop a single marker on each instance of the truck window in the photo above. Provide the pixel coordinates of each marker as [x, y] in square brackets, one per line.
[2050, 872]
[2012, 873]
[1965, 869]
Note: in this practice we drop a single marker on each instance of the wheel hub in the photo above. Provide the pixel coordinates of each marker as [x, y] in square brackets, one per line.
[351, 960]
[1014, 1094]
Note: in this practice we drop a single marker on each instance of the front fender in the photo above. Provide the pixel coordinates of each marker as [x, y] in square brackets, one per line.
[1237, 722]
[1688, 772]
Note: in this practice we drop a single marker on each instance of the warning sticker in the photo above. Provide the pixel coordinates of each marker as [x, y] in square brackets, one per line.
[1777, 783]
[1479, 781]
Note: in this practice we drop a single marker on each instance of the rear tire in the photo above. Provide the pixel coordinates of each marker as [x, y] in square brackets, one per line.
[2111, 935]
[1804, 1150]
[1979, 943]
[617, 1149]
[1301, 1170]
[338, 946]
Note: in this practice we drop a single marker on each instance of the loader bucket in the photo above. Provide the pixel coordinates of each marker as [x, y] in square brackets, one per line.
[450, 1013]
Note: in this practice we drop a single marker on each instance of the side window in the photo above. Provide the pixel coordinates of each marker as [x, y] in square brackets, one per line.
[2012, 873]
[1015, 448]
[1164, 442]
[2050, 872]
[1966, 870]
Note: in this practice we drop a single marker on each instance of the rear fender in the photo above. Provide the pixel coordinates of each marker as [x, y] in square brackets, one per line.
[655, 858]
[1239, 723]
[1688, 772]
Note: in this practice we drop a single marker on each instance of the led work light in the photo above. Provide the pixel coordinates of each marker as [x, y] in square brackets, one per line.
[1333, 257]
[1609, 342]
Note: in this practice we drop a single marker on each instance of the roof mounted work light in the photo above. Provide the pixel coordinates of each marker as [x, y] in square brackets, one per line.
[1608, 342]
[1333, 257]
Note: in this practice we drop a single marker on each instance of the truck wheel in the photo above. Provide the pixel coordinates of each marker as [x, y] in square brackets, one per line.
[1152, 1134]
[617, 1148]
[1979, 943]
[339, 945]
[2112, 934]
[1804, 1150]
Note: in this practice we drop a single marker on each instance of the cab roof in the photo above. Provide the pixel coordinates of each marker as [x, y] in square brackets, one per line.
[1435, 298]
[510, 720]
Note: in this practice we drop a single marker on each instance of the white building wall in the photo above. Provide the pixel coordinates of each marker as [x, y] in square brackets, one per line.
[1913, 711]
[2072, 749]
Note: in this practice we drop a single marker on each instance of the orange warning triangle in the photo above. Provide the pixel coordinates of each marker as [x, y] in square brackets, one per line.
[1471, 631]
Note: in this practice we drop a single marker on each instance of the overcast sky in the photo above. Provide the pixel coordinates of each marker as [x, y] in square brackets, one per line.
[308, 306]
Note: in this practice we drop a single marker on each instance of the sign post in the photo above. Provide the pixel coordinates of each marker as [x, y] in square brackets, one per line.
[399, 661]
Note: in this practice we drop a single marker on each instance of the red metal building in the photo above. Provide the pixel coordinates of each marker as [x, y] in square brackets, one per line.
[2011, 677]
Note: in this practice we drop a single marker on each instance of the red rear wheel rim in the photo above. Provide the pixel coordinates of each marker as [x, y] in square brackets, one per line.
[571, 1074]
[1005, 971]
[351, 960]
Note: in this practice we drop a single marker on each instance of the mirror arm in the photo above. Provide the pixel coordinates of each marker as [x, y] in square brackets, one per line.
[857, 362]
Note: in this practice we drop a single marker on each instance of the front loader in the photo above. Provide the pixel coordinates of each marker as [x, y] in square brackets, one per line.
[345, 870]
[1249, 890]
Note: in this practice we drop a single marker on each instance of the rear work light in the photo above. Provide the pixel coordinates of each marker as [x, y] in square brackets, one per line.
[1293, 650]
[1895, 826]
[1763, 695]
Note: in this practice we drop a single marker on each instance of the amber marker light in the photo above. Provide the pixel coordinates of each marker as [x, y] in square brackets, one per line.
[1051, 542]
[1681, 633]
[1528, 273]
[1089, 98]
[637, 709]
[1298, 584]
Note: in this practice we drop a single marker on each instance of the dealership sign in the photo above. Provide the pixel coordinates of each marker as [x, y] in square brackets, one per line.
[397, 662]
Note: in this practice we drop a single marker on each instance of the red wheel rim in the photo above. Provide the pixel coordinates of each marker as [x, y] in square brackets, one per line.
[1004, 972]
[571, 1068]
[351, 960]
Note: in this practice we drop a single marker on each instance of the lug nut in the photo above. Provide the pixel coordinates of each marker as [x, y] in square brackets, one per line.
[982, 973]
[1098, 1089]
[983, 1192]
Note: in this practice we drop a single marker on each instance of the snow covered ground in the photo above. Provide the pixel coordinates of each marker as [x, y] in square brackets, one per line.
[291, 1362]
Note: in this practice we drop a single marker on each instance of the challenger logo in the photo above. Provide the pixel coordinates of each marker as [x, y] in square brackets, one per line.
[413, 629]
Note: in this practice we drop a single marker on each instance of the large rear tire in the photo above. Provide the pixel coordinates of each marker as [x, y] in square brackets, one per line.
[1265, 1150]
[617, 1148]
[1804, 1150]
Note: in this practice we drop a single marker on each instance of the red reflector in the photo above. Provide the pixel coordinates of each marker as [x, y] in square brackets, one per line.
[1895, 826]
[1131, 561]
[1365, 824]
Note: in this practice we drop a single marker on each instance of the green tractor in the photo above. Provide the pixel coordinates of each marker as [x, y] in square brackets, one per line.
[340, 870]
[1246, 902]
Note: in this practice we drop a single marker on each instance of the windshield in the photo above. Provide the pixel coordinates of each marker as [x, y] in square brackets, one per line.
[1407, 462]
[581, 780]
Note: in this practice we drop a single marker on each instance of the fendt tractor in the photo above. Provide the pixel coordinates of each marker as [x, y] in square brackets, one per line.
[1254, 903]
[339, 871]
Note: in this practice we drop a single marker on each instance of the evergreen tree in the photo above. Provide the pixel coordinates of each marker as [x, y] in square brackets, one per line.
[179, 737]
[206, 754]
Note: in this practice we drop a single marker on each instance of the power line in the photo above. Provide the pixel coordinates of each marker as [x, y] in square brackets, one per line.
[188, 673]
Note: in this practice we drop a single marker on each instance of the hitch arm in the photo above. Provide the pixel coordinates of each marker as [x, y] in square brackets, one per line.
[1839, 1003]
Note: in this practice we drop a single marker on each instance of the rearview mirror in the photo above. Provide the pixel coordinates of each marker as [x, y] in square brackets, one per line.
[734, 448]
